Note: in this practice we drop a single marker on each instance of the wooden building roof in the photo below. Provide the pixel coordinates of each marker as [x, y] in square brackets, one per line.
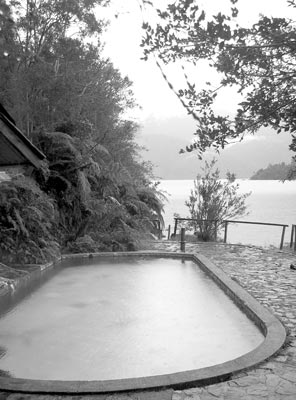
[15, 148]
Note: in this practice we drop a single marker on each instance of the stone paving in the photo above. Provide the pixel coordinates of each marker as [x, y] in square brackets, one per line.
[266, 274]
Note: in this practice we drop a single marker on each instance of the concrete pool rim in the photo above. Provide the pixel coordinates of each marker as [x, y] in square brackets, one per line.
[272, 329]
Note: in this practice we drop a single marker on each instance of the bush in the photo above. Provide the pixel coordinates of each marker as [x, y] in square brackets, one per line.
[213, 200]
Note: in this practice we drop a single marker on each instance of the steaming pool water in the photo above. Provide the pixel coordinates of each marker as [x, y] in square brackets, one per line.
[116, 318]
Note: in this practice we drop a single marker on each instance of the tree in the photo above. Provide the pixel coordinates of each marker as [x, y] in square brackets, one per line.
[71, 102]
[42, 52]
[214, 200]
[258, 61]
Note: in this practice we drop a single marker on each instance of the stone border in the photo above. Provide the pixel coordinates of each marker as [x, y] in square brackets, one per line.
[270, 326]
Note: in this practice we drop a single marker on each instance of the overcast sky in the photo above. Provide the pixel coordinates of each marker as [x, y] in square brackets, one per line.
[161, 112]
[123, 47]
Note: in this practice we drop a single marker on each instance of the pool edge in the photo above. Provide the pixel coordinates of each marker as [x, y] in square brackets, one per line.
[270, 326]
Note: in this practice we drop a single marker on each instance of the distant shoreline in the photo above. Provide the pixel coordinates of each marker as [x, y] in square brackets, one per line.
[238, 179]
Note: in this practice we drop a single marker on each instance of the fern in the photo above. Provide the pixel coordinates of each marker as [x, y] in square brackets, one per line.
[25, 229]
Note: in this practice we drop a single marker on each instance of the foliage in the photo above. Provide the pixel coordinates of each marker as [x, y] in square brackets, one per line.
[258, 61]
[123, 214]
[66, 183]
[214, 200]
[71, 102]
[279, 171]
[28, 220]
[83, 244]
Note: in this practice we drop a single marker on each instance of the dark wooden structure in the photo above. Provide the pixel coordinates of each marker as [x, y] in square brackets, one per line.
[293, 237]
[16, 150]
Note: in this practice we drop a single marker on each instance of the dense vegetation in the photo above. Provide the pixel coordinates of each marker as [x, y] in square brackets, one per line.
[257, 61]
[93, 192]
[279, 171]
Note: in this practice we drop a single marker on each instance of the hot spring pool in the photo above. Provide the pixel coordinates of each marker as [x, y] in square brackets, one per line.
[116, 318]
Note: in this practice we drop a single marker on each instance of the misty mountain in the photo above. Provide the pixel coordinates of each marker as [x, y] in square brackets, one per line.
[164, 138]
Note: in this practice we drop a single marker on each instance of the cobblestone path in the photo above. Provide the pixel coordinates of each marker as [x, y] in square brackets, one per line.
[266, 274]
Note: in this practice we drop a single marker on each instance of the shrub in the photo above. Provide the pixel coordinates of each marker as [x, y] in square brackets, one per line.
[214, 200]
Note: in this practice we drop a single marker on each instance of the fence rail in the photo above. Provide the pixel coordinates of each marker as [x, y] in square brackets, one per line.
[284, 226]
[228, 221]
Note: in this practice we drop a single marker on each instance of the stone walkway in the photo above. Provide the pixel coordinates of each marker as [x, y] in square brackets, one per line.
[266, 274]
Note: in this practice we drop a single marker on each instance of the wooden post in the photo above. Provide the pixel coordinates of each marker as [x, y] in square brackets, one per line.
[182, 243]
[295, 237]
[169, 232]
[175, 228]
[282, 238]
[216, 230]
[225, 231]
[292, 236]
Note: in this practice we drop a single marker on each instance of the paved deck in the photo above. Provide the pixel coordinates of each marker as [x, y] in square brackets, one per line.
[266, 274]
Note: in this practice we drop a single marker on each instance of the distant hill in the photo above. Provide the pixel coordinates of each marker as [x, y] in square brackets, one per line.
[164, 138]
[272, 172]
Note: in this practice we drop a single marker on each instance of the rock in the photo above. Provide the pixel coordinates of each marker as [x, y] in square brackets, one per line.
[178, 395]
[247, 381]
[258, 390]
[286, 388]
[290, 376]
[272, 380]
[216, 390]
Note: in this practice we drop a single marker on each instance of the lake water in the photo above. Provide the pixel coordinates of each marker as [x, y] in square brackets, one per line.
[270, 201]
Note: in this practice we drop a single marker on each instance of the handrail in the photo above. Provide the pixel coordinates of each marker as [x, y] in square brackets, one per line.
[227, 221]
[255, 223]
[284, 226]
